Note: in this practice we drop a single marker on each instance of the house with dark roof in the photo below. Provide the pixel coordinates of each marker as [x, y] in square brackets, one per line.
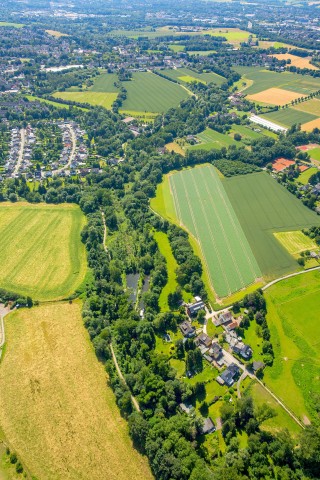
[223, 319]
[187, 329]
[208, 426]
[229, 376]
[194, 308]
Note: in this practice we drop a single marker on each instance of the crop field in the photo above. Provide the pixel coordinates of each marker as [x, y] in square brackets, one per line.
[293, 317]
[186, 75]
[274, 96]
[295, 242]
[55, 33]
[309, 126]
[260, 80]
[41, 253]
[264, 207]
[300, 62]
[148, 92]
[310, 106]
[203, 207]
[211, 139]
[32, 98]
[289, 116]
[55, 405]
[101, 99]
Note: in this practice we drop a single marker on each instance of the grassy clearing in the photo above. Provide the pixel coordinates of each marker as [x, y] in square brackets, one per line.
[41, 253]
[246, 132]
[56, 34]
[211, 139]
[293, 311]
[282, 420]
[289, 116]
[11, 24]
[304, 176]
[176, 48]
[315, 154]
[148, 92]
[175, 147]
[105, 83]
[101, 99]
[264, 207]
[264, 79]
[165, 250]
[32, 98]
[235, 36]
[201, 203]
[63, 424]
[295, 242]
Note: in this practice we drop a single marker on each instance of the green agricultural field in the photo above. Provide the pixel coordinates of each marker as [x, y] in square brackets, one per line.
[165, 250]
[293, 317]
[310, 106]
[289, 116]
[41, 252]
[315, 154]
[211, 139]
[105, 83]
[264, 207]
[31, 98]
[148, 92]
[259, 80]
[203, 207]
[186, 75]
[101, 99]
[176, 48]
[295, 242]
[246, 132]
[304, 176]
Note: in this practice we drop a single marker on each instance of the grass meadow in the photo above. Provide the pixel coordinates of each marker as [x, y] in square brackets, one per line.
[147, 92]
[203, 207]
[55, 407]
[186, 75]
[101, 99]
[295, 242]
[304, 176]
[310, 106]
[264, 207]
[315, 154]
[41, 253]
[211, 139]
[293, 317]
[260, 80]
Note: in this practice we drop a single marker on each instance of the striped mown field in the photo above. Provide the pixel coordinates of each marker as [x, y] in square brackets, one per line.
[203, 207]
[41, 253]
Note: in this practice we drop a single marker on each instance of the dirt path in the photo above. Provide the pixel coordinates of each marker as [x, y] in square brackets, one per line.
[289, 276]
[20, 157]
[115, 361]
[73, 151]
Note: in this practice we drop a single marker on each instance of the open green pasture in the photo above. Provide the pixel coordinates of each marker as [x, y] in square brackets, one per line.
[264, 79]
[11, 24]
[315, 154]
[41, 253]
[101, 99]
[293, 317]
[203, 207]
[289, 116]
[246, 132]
[264, 207]
[211, 139]
[186, 75]
[147, 92]
[105, 83]
[304, 176]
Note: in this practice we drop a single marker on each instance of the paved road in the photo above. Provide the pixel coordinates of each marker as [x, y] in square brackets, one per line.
[20, 157]
[115, 361]
[72, 154]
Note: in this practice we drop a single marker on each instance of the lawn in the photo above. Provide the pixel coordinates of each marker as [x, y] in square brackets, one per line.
[289, 116]
[105, 83]
[304, 176]
[264, 207]
[147, 92]
[245, 132]
[315, 154]
[165, 250]
[204, 209]
[41, 252]
[295, 242]
[102, 99]
[260, 79]
[186, 75]
[293, 317]
[211, 139]
[55, 406]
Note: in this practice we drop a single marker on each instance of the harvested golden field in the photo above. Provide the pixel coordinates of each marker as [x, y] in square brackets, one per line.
[55, 407]
[309, 126]
[310, 106]
[275, 96]
[41, 253]
[299, 62]
[56, 34]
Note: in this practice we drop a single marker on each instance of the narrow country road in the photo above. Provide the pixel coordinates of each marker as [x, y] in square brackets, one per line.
[289, 276]
[72, 154]
[115, 361]
[21, 150]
